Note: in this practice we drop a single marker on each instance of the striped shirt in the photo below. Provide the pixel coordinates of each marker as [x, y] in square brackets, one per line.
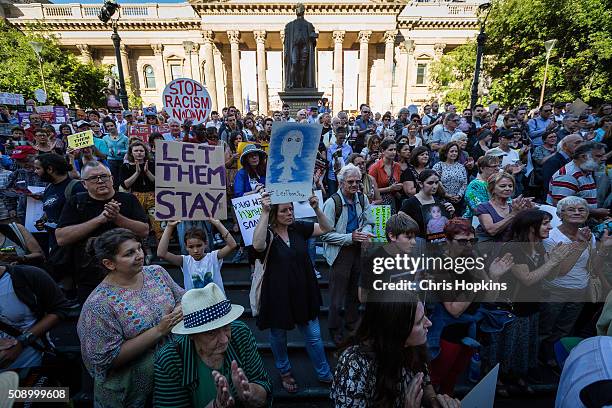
[570, 180]
[176, 368]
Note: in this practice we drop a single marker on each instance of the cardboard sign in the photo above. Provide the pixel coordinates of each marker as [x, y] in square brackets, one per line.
[291, 161]
[81, 139]
[380, 215]
[7, 98]
[577, 107]
[189, 181]
[248, 210]
[302, 209]
[187, 99]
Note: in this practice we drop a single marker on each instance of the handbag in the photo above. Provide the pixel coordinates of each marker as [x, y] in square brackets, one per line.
[595, 291]
[257, 281]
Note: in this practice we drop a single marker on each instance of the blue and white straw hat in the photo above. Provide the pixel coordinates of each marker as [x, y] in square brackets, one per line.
[206, 309]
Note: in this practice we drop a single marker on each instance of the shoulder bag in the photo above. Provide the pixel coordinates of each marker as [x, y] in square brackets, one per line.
[257, 281]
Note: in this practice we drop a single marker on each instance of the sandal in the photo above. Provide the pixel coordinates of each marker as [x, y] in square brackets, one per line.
[288, 383]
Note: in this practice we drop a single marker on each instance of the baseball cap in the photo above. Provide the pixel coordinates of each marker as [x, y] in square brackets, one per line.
[127, 113]
[22, 152]
[496, 152]
[150, 111]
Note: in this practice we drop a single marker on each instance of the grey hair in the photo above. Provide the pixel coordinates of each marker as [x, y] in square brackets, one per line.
[450, 116]
[91, 165]
[569, 116]
[570, 201]
[172, 120]
[347, 171]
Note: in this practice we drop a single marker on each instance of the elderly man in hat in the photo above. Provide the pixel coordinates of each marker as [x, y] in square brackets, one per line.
[213, 361]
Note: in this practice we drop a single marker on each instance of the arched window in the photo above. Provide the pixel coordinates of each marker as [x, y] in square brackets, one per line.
[149, 76]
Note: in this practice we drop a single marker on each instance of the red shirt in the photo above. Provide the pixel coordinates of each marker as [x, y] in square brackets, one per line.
[377, 170]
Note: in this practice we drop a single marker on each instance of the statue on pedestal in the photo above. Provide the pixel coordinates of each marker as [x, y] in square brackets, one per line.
[299, 52]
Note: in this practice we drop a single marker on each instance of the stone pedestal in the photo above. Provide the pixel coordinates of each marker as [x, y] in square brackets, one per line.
[299, 99]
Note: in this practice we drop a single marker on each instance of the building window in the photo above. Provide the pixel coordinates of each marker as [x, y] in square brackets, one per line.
[149, 77]
[176, 71]
[421, 73]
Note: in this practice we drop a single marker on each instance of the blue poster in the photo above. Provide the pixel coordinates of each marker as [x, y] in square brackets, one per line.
[291, 160]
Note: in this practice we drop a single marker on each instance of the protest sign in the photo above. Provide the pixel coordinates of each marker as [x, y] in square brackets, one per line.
[40, 95]
[380, 215]
[22, 116]
[186, 99]
[140, 131]
[61, 114]
[190, 181]
[302, 209]
[577, 107]
[483, 394]
[7, 98]
[291, 160]
[46, 113]
[34, 209]
[81, 139]
[247, 209]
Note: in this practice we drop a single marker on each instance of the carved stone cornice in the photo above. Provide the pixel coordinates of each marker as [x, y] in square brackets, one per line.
[204, 7]
[364, 36]
[465, 24]
[338, 36]
[234, 37]
[93, 25]
[260, 36]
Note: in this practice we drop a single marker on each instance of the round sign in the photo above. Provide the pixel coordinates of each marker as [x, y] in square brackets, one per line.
[40, 95]
[187, 99]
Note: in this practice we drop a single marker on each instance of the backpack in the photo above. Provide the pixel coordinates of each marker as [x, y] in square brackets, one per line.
[69, 188]
[338, 204]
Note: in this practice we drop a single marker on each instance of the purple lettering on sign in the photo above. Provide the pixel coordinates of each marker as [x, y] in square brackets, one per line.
[165, 153]
[188, 153]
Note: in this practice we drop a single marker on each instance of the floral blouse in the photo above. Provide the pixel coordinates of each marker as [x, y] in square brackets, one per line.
[453, 177]
[112, 315]
[355, 380]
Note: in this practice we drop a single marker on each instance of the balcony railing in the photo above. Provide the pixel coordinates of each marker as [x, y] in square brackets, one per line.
[77, 11]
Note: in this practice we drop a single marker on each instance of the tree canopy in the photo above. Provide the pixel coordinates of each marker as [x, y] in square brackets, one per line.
[580, 64]
[63, 71]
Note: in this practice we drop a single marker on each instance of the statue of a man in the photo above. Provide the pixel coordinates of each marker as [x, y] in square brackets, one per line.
[299, 52]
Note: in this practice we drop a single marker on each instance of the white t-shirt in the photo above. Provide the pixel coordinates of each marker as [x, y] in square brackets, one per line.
[577, 277]
[512, 157]
[197, 274]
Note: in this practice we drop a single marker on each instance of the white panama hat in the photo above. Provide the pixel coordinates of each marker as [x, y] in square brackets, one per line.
[9, 380]
[206, 309]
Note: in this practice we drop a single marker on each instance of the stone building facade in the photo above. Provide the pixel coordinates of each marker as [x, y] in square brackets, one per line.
[372, 51]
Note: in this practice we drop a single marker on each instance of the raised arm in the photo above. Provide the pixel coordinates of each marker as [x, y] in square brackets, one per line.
[261, 230]
[162, 248]
[230, 242]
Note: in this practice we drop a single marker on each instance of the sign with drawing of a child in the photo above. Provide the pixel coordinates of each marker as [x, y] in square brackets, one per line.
[435, 218]
[291, 160]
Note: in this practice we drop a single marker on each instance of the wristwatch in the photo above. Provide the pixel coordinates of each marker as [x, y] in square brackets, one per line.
[26, 339]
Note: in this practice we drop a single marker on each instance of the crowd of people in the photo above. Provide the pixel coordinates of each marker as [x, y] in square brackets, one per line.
[530, 186]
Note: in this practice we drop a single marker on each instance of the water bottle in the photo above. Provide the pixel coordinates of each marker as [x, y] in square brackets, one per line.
[474, 373]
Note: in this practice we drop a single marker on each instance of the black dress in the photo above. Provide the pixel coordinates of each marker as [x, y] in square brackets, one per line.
[290, 292]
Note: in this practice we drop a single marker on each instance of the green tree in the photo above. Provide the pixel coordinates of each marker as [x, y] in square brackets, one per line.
[580, 64]
[63, 71]
[451, 76]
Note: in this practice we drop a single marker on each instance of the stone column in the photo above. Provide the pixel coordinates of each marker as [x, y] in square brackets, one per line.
[188, 47]
[209, 67]
[402, 64]
[85, 53]
[338, 91]
[388, 70]
[410, 72]
[234, 39]
[158, 51]
[125, 64]
[364, 43]
[195, 54]
[262, 83]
